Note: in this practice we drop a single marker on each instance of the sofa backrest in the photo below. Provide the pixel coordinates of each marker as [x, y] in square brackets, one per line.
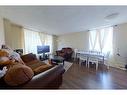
[28, 58]
[67, 50]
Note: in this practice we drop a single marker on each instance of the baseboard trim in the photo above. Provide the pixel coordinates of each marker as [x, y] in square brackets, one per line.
[118, 67]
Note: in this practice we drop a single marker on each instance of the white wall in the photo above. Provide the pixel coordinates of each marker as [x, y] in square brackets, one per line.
[78, 40]
[2, 40]
[54, 44]
[120, 43]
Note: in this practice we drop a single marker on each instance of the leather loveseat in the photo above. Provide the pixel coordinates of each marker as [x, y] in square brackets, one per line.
[50, 78]
[66, 53]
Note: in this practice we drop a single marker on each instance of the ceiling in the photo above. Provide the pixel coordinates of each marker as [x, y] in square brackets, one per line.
[59, 20]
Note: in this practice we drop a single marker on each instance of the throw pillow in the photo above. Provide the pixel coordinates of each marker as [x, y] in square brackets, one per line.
[13, 55]
[18, 74]
[41, 69]
[4, 59]
[3, 53]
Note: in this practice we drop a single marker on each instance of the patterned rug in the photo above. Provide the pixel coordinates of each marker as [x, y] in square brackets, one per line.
[67, 65]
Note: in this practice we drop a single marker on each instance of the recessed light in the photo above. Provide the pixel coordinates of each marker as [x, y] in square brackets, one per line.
[111, 16]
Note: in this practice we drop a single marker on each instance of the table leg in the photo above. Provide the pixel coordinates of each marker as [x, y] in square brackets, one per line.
[103, 59]
[76, 58]
[87, 61]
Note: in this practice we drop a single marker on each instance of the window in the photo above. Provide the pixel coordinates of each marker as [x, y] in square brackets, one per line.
[33, 39]
[101, 40]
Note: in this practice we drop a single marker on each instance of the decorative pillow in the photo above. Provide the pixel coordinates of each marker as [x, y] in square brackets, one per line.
[18, 74]
[12, 55]
[16, 57]
[3, 53]
[42, 68]
[5, 61]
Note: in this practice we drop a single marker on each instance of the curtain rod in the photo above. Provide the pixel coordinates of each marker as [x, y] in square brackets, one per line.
[103, 27]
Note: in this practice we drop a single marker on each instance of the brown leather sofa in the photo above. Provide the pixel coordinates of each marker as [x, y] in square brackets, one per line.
[66, 53]
[48, 79]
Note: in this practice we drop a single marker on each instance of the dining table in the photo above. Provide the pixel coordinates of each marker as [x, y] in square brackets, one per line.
[89, 54]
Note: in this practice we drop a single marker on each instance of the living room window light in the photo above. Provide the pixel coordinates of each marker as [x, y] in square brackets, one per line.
[33, 39]
[101, 40]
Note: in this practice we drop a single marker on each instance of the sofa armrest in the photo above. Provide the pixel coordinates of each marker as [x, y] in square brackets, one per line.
[47, 79]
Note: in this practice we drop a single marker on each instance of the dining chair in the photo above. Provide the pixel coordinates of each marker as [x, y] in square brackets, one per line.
[82, 58]
[75, 54]
[93, 60]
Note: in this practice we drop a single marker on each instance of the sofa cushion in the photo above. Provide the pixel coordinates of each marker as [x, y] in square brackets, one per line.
[42, 68]
[38, 66]
[18, 74]
[32, 63]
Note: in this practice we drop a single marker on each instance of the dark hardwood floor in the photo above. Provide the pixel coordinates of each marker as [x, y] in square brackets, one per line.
[80, 77]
